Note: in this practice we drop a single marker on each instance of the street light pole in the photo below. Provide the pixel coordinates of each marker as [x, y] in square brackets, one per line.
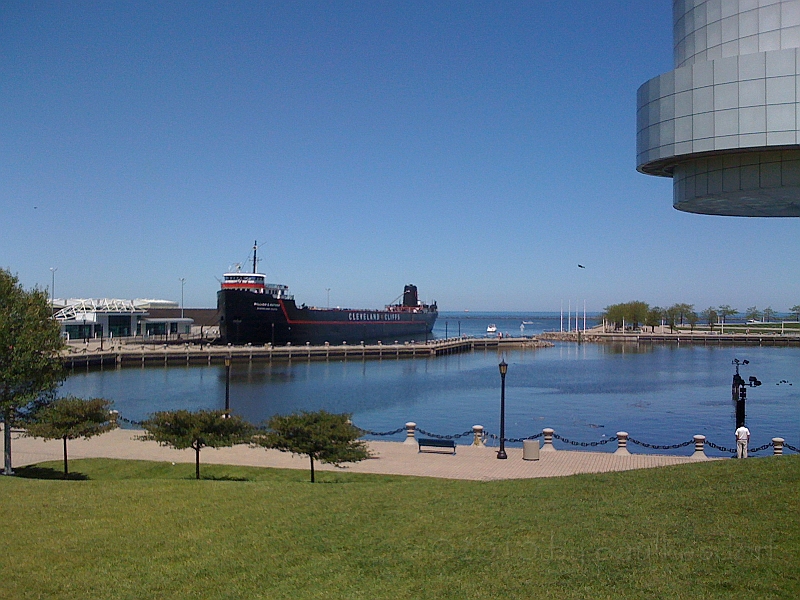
[52, 287]
[183, 281]
[503, 370]
[227, 387]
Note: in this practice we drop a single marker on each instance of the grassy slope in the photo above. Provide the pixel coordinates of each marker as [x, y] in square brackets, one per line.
[139, 530]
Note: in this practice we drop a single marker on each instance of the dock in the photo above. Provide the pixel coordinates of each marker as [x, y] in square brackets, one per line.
[86, 355]
[682, 337]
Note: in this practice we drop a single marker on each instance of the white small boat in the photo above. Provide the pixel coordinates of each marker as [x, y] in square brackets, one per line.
[492, 328]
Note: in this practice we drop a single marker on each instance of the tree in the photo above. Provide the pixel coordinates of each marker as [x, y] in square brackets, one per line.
[710, 316]
[726, 311]
[768, 314]
[633, 313]
[654, 318]
[692, 318]
[752, 314]
[30, 368]
[684, 310]
[672, 315]
[183, 429]
[795, 310]
[70, 418]
[320, 435]
[638, 312]
[615, 315]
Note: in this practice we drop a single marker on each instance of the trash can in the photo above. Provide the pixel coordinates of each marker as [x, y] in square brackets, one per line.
[530, 450]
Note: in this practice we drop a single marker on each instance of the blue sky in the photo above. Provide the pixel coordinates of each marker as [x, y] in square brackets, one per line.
[478, 149]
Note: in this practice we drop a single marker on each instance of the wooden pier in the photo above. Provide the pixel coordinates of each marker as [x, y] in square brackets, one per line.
[143, 354]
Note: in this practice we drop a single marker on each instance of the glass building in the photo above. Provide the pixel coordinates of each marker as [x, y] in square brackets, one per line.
[725, 124]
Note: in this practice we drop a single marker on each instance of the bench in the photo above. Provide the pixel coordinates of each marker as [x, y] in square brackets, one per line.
[434, 443]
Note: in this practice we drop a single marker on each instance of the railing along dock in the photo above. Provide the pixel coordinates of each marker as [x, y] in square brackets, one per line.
[89, 355]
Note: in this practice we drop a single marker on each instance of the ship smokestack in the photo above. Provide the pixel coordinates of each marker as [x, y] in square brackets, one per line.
[410, 295]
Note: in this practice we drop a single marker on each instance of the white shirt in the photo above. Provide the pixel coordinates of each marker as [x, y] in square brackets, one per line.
[742, 433]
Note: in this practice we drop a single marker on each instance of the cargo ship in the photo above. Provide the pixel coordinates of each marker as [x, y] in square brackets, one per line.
[252, 311]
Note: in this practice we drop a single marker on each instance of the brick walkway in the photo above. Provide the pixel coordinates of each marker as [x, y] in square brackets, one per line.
[391, 458]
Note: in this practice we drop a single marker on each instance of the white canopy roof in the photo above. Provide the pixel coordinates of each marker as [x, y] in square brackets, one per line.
[81, 306]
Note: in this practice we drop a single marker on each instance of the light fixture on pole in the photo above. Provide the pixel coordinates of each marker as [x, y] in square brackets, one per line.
[739, 391]
[503, 370]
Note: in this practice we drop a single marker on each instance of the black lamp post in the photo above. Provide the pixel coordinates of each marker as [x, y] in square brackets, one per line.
[503, 370]
[227, 387]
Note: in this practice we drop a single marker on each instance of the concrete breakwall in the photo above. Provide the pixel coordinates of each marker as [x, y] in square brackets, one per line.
[706, 339]
[91, 355]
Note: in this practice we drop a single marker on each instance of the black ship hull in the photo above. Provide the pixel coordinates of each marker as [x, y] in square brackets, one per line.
[253, 318]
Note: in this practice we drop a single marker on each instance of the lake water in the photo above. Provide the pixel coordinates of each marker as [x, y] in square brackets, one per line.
[659, 394]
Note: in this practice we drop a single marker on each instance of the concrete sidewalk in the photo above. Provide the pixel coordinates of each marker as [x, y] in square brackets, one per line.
[390, 458]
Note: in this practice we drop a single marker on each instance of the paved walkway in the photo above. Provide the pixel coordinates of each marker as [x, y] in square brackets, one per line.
[390, 458]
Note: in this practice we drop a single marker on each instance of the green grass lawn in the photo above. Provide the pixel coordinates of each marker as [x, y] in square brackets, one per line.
[127, 529]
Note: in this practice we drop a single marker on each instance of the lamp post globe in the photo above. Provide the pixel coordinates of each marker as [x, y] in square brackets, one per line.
[501, 454]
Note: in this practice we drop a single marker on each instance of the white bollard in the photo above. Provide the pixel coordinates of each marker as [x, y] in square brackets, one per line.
[548, 440]
[410, 428]
[777, 444]
[699, 447]
[477, 431]
[622, 443]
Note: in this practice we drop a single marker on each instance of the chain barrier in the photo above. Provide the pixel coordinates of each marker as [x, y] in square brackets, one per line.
[711, 444]
[530, 437]
[445, 437]
[585, 444]
[657, 447]
[759, 449]
[494, 436]
[733, 450]
[379, 433]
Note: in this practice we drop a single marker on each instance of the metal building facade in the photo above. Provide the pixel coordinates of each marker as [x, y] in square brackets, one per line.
[725, 123]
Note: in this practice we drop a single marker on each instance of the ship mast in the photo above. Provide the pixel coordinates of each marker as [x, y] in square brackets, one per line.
[255, 260]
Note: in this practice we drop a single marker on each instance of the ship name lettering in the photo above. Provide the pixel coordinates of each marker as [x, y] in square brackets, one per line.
[367, 316]
[266, 305]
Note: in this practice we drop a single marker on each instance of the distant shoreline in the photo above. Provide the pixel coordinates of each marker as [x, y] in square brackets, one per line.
[678, 337]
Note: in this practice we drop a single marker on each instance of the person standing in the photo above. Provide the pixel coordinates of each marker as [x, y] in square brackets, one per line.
[742, 441]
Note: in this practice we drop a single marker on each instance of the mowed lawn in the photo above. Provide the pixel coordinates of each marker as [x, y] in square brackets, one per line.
[723, 529]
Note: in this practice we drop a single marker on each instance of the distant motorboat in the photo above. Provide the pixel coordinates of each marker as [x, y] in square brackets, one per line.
[492, 328]
[527, 322]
